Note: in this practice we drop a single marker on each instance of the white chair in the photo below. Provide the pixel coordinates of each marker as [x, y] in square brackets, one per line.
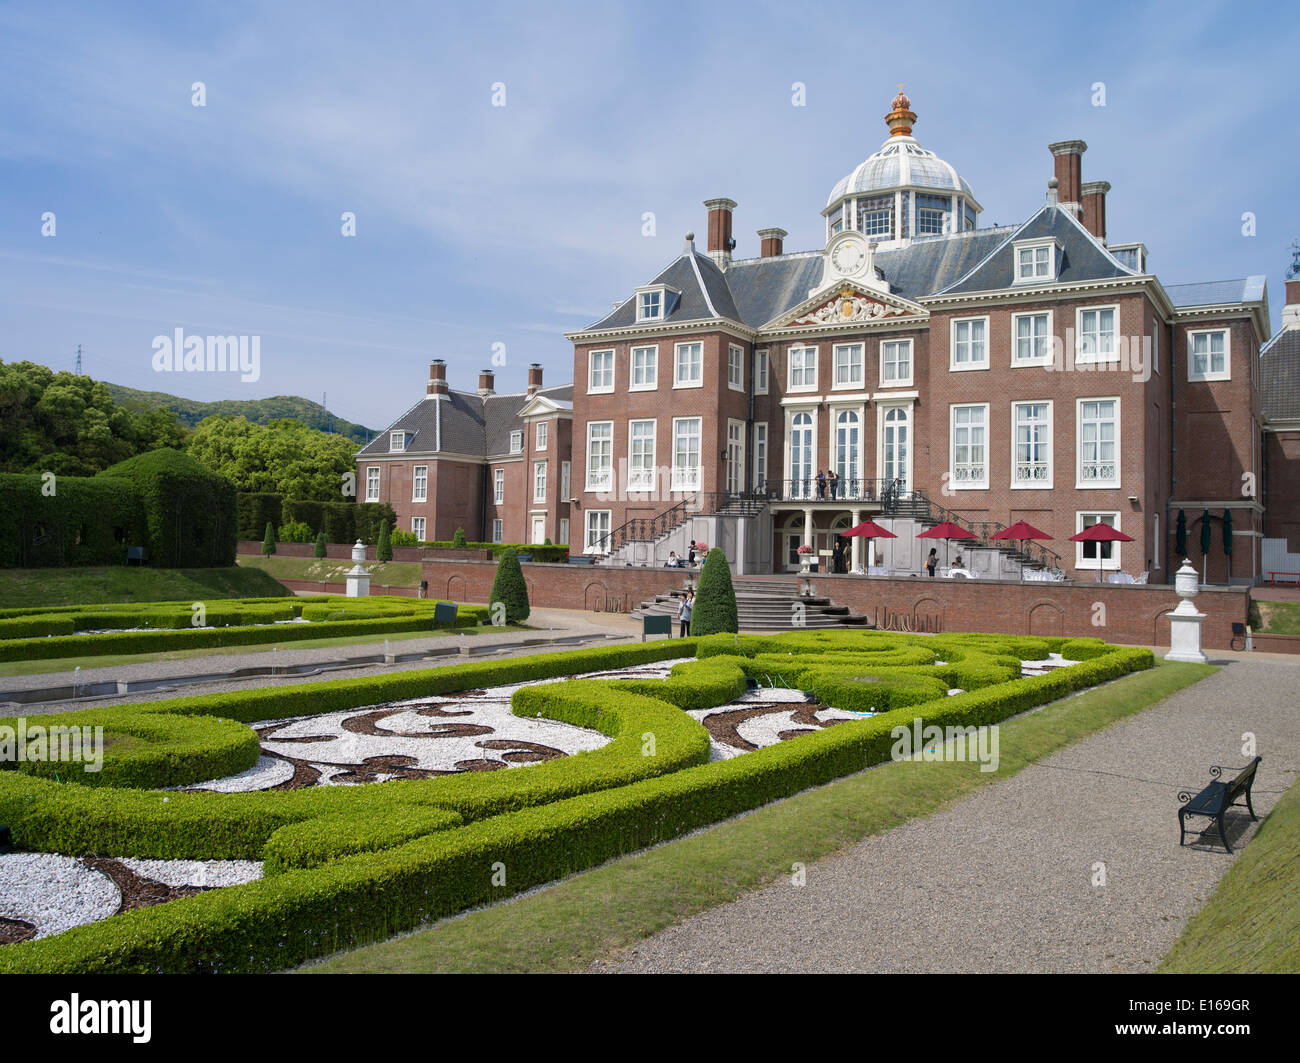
[1141, 577]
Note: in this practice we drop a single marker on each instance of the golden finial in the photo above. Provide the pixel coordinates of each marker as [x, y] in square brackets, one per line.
[900, 119]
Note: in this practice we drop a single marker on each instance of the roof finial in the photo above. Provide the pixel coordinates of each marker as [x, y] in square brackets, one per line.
[1294, 272]
[900, 119]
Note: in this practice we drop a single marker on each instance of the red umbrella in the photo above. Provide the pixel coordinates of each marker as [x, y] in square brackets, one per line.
[1101, 532]
[869, 530]
[947, 530]
[1020, 531]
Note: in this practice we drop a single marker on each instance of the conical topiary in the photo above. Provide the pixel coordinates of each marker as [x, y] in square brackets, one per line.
[509, 587]
[384, 551]
[715, 598]
[321, 550]
[268, 541]
[458, 538]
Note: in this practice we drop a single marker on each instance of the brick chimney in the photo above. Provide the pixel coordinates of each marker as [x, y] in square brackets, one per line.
[773, 242]
[486, 379]
[1291, 312]
[1094, 207]
[1069, 172]
[720, 240]
[535, 377]
[437, 385]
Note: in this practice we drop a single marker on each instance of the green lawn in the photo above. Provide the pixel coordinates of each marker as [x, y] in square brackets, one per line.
[118, 584]
[594, 914]
[1252, 922]
[382, 574]
[1276, 618]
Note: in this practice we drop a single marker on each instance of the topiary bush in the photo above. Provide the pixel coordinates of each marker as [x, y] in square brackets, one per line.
[268, 540]
[384, 551]
[509, 588]
[68, 520]
[715, 599]
[255, 508]
[458, 539]
[321, 546]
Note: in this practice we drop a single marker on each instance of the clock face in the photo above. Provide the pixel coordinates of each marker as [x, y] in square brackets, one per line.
[849, 257]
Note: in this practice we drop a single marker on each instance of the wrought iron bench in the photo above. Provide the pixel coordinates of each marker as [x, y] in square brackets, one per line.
[1217, 798]
[444, 613]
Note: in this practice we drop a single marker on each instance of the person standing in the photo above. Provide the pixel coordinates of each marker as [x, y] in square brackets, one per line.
[837, 558]
[833, 479]
[684, 614]
[690, 554]
[932, 562]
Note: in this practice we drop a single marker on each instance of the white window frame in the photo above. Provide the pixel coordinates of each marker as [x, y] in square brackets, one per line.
[534, 515]
[498, 486]
[683, 477]
[563, 539]
[539, 481]
[762, 365]
[396, 442]
[517, 442]
[859, 364]
[1049, 422]
[807, 358]
[605, 482]
[594, 388]
[736, 367]
[685, 382]
[1111, 517]
[911, 364]
[541, 435]
[566, 480]
[1079, 482]
[652, 365]
[1082, 358]
[1210, 374]
[641, 478]
[588, 538]
[372, 483]
[498, 529]
[955, 364]
[420, 483]
[417, 528]
[1046, 357]
[642, 296]
[969, 484]
[1033, 247]
[759, 471]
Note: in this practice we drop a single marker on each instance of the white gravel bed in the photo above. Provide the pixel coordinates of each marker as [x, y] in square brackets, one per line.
[54, 893]
[210, 873]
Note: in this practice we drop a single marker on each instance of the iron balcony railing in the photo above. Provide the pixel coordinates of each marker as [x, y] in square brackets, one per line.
[883, 490]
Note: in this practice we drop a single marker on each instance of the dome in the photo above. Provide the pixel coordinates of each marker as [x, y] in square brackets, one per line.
[900, 163]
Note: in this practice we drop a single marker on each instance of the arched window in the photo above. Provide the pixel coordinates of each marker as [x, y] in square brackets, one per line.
[894, 446]
[847, 449]
[801, 456]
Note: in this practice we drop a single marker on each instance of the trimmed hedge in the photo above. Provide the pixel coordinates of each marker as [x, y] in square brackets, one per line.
[256, 510]
[87, 521]
[543, 834]
[509, 588]
[342, 522]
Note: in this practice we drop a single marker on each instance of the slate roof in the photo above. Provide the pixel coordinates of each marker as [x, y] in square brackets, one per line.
[1216, 293]
[463, 423]
[1280, 375]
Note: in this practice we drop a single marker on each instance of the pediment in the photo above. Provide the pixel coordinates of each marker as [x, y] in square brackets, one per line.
[850, 305]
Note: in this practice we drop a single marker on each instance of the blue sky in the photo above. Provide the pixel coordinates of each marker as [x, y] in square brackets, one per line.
[479, 225]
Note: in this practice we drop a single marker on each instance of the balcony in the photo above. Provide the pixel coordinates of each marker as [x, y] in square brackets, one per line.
[881, 491]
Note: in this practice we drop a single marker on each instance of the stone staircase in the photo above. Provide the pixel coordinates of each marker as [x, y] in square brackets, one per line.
[766, 605]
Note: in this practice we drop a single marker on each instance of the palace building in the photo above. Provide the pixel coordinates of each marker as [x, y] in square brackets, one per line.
[916, 368]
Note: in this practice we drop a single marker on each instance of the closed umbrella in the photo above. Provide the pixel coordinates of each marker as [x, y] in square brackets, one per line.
[1020, 531]
[1207, 534]
[946, 531]
[1180, 539]
[869, 530]
[1099, 533]
[1227, 540]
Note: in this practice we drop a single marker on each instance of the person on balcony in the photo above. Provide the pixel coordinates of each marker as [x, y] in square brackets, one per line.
[821, 484]
[690, 554]
[833, 479]
[673, 560]
[932, 562]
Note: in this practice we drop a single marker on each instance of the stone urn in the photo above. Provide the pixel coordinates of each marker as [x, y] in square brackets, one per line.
[1185, 621]
[358, 579]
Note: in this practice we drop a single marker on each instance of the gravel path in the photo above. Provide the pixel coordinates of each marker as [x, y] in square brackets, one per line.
[1002, 881]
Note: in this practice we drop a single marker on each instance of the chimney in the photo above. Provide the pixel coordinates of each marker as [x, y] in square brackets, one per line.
[486, 378]
[1291, 312]
[1094, 207]
[720, 240]
[534, 378]
[773, 242]
[1069, 172]
[437, 385]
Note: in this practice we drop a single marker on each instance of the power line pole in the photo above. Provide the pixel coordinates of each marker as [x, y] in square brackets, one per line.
[78, 359]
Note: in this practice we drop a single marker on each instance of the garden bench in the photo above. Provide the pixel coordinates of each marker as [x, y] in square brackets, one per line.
[579, 559]
[656, 625]
[138, 554]
[1217, 798]
[444, 612]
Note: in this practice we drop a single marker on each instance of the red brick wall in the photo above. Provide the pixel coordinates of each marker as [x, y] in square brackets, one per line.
[1282, 487]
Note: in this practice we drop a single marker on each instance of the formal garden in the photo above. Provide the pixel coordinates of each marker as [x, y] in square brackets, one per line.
[257, 829]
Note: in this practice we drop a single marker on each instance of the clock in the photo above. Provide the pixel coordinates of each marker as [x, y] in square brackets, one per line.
[849, 257]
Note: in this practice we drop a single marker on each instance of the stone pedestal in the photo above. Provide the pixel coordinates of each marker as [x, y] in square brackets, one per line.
[358, 578]
[1185, 621]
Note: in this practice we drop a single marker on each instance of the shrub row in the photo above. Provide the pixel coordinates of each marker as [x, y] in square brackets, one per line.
[86, 521]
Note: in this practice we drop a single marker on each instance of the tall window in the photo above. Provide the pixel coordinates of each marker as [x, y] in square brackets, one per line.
[597, 538]
[542, 434]
[1033, 434]
[498, 486]
[417, 528]
[970, 446]
[970, 343]
[895, 463]
[689, 371]
[641, 455]
[847, 444]
[564, 531]
[686, 454]
[420, 484]
[372, 483]
[600, 455]
[566, 483]
[1033, 338]
[1208, 355]
[848, 365]
[801, 455]
[498, 530]
[735, 367]
[645, 368]
[600, 372]
[539, 481]
[896, 362]
[760, 456]
[760, 371]
[1097, 334]
[1097, 555]
[803, 368]
[1098, 442]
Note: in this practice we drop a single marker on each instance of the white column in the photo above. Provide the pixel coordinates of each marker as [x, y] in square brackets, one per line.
[856, 550]
[807, 527]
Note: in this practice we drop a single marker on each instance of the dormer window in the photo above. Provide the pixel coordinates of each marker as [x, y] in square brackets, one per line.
[654, 302]
[396, 442]
[1036, 261]
[516, 442]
